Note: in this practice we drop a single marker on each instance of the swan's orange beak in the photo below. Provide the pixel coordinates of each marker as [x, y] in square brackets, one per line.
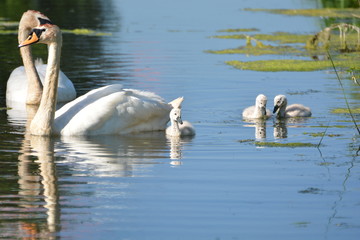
[33, 38]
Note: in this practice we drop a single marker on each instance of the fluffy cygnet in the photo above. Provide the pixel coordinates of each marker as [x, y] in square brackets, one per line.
[294, 110]
[179, 128]
[258, 110]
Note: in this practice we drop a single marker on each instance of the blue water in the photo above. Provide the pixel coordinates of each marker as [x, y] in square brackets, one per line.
[217, 185]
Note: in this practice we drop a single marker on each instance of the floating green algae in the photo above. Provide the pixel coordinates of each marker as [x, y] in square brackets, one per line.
[345, 110]
[288, 65]
[319, 12]
[246, 140]
[4, 30]
[85, 31]
[287, 145]
[320, 134]
[301, 224]
[256, 51]
[280, 37]
[240, 30]
[7, 32]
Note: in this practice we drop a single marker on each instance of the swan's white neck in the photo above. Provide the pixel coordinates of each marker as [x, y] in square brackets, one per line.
[42, 123]
[34, 86]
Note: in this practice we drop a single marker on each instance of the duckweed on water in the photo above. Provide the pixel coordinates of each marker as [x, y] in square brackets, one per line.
[301, 224]
[287, 65]
[84, 31]
[345, 110]
[320, 12]
[320, 134]
[240, 30]
[256, 51]
[287, 145]
[280, 37]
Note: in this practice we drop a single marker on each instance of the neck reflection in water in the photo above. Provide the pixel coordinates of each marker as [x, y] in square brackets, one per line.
[38, 185]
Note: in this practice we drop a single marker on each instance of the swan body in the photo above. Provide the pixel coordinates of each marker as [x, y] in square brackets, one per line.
[25, 85]
[17, 85]
[294, 110]
[179, 128]
[258, 110]
[112, 110]
[106, 110]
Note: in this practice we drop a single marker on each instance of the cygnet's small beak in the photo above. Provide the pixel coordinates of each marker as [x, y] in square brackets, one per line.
[180, 120]
[263, 111]
[276, 107]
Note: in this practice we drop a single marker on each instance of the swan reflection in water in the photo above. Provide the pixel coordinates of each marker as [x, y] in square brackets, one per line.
[35, 185]
[176, 144]
[259, 125]
[114, 156]
[280, 129]
[280, 126]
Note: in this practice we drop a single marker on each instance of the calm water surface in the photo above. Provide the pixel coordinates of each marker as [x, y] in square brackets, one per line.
[217, 185]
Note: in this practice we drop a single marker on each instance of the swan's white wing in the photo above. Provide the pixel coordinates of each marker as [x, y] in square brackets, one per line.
[112, 110]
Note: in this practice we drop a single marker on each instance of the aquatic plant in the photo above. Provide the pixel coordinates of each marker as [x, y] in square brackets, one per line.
[319, 12]
[343, 91]
[320, 134]
[279, 37]
[323, 37]
[345, 110]
[342, 39]
[240, 30]
[287, 145]
[287, 65]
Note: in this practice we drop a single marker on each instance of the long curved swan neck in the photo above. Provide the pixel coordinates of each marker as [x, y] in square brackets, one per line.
[34, 91]
[42, 123]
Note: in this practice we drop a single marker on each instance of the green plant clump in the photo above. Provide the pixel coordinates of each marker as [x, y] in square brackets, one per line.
[288, 145]
[345, 110]
[239, 30]
[319, 12]
[84, 31]
[287, 65]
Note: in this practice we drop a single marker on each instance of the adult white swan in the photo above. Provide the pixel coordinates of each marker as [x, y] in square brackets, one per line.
[294, 110]
[25, 84]
[107, 110]
[258, 110]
